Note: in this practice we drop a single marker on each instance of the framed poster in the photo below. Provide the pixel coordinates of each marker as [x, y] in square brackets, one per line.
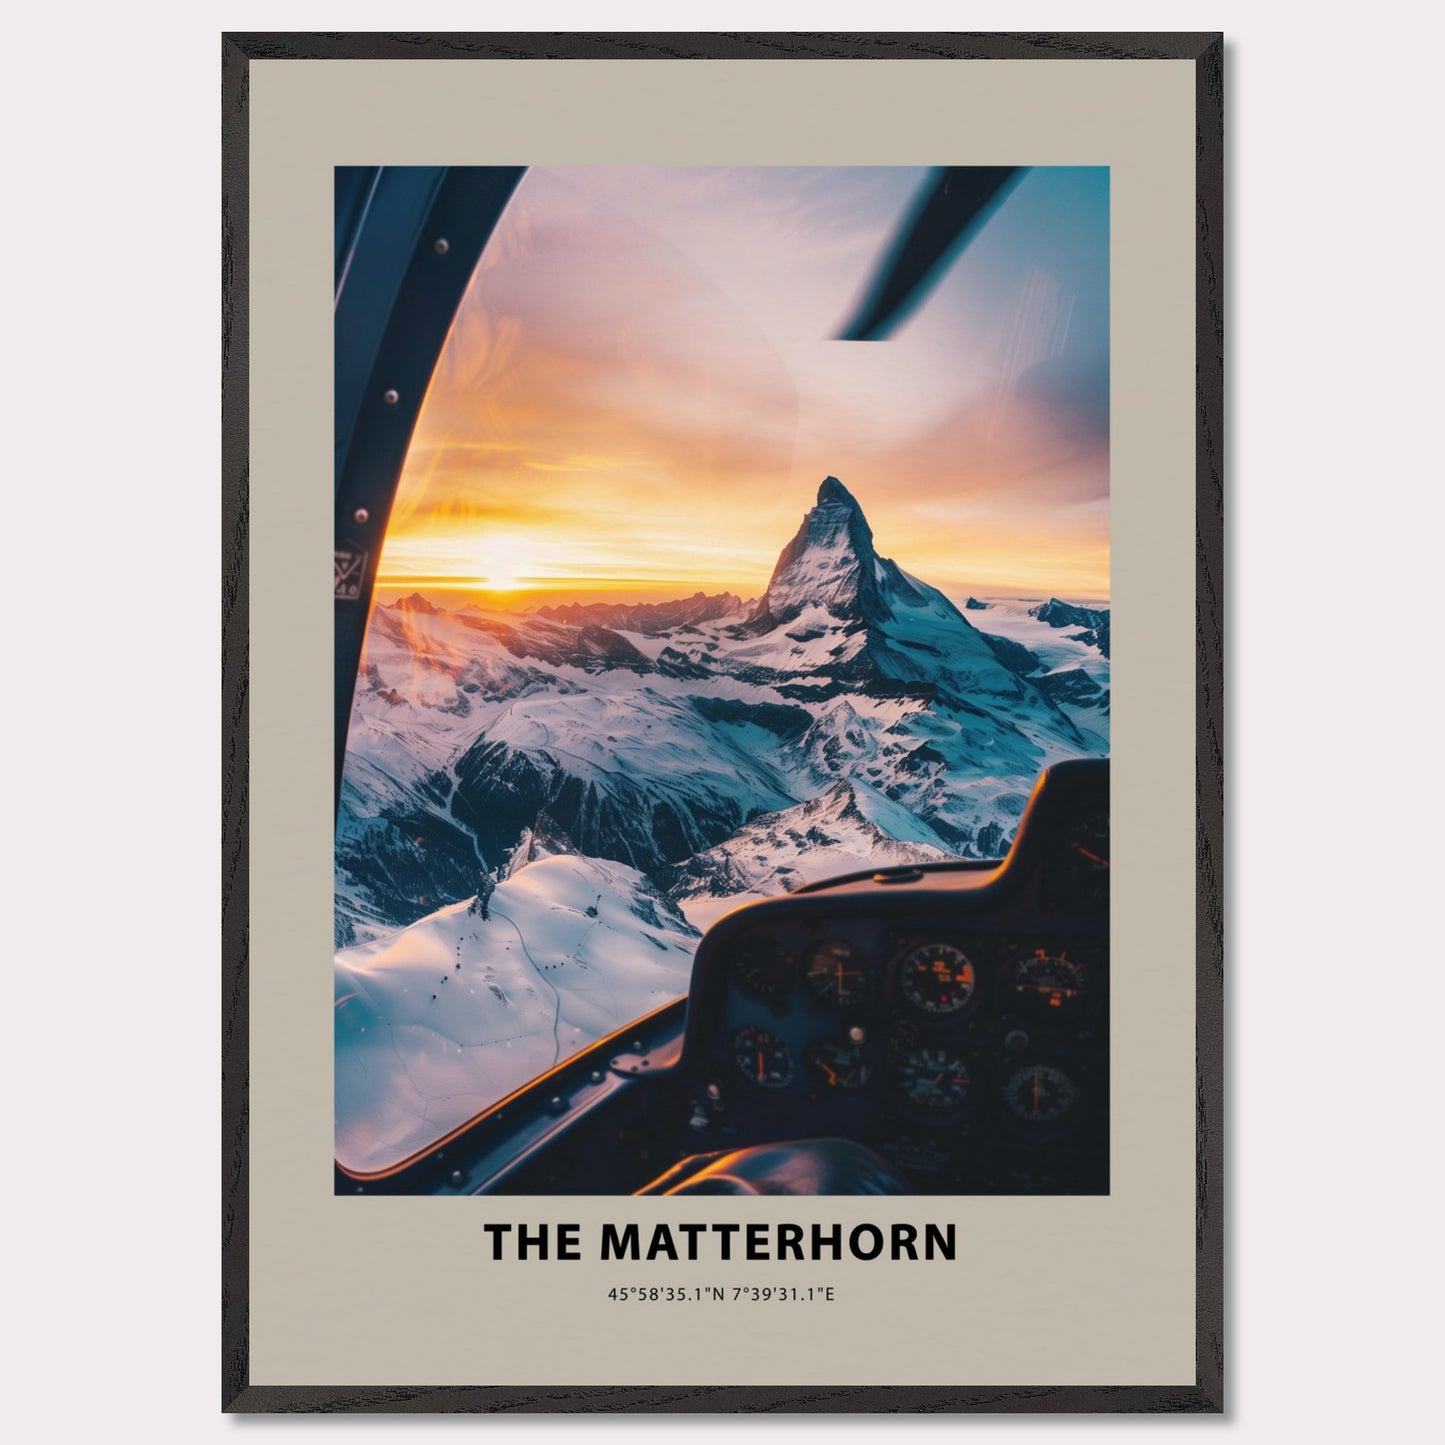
[755, 908]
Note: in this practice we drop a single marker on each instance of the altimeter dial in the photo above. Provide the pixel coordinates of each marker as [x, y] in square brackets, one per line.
[762, 966]
[762, 1058]
[1040, 1094]
[1049, 980]
[837, 972]
[935, 1081]
[937, 978]
[837, 1064]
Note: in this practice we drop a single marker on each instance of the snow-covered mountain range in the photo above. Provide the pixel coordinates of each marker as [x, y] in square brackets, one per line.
[683, 757]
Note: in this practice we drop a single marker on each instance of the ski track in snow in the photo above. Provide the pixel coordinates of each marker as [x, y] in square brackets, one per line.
[537, 969]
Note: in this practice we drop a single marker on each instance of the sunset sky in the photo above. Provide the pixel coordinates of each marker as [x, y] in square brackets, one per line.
[641, 393]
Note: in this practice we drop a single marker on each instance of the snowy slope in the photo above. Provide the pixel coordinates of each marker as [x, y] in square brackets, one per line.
[399, 851]
[848, 828]
[445, 1017]
[638, 776]
[1068, 662]
[1057, 647]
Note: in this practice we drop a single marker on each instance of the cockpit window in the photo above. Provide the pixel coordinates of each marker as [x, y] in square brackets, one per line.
[686, 602]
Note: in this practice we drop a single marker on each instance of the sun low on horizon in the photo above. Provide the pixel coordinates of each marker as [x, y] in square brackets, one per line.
[641, 392]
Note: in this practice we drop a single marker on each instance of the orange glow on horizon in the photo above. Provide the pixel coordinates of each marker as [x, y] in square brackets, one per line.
[529, 567]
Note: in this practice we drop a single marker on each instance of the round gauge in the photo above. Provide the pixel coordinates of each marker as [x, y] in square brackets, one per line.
[1084, 876]
[1090, 845]
[1049, 980]
[762, 966]
[837, 1064]
[937, 978]
[762, 1058]
[837, 972]
[1040, 1093]
[934, 1080]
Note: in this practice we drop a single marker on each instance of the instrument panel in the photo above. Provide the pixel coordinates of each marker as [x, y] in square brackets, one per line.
[959, 1053]
[957, 1024]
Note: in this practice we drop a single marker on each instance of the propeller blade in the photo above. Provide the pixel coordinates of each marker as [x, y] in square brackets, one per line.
[949, 215]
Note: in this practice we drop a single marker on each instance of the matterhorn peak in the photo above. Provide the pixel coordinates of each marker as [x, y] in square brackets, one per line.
[834, 497]
[830, 563]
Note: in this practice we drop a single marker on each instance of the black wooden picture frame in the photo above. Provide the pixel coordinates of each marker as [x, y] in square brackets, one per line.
[238, 1393]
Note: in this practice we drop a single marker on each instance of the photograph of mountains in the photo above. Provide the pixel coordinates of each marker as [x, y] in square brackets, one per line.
[687, 602]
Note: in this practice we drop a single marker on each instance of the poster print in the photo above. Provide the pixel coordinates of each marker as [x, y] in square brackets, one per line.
[642, 509]
[726, 781]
